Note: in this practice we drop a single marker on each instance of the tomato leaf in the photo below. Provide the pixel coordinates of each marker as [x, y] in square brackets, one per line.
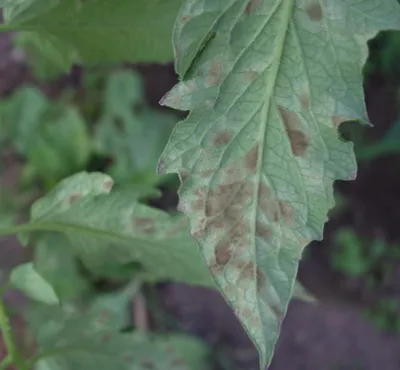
[267, 83]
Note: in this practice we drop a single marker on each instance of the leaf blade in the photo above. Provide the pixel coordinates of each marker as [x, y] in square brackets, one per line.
[259, 151]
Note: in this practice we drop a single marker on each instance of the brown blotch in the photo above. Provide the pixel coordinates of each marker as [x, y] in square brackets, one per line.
[314, 11]
[336, 120]
[262, 230]
[147, 364]
[252, 6]
[183, 175]
[249, 270]
[251, 158]
[197, 205]
[73, 198]
[261, 279]
[128, 358]
[222, 138]
[250, 76]
[223, 254]
[145, 224]
[178, 362]
[286, 211]
[304, 100]
[185, 19]
[108, 184]
[299, 142]
[105, 338]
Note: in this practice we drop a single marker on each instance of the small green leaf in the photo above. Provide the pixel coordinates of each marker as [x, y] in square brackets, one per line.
[69, 339]
[25, 278]
[267, 83]
[100, 31]
[108, 229]
[124, 124]
[56, 262]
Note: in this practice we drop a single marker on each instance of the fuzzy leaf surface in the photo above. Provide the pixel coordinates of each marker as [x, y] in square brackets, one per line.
[71, 339]
[25, 278]
[101, 30]
[109, 229]
[267, 83]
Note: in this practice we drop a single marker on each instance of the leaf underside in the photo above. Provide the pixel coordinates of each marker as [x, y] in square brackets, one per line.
[267, 83]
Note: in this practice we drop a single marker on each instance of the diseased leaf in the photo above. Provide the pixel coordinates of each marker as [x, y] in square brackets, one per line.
[267, 82]
[99, 31]
[25, 278]
[109, 229]
[69, 339]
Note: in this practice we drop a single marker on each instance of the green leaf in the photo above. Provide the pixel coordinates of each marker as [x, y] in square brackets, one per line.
[133, 134]
[46, 57]
[61, 144]
[101, 30]
[69, 339]
[25, 278]
[109, 229]
[56, 262]
[267, 83]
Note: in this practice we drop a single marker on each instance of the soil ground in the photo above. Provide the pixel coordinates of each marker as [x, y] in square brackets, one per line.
[329, 335]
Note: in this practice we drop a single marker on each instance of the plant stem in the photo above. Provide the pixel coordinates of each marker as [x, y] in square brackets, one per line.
[13, 356]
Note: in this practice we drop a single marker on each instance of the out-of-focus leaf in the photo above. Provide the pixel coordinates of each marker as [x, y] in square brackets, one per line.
[108, 229]
[46, 58]
[130, 132]
[61, 145]
[101, 30]
[56, 262]
[25, 278]
[69, 339]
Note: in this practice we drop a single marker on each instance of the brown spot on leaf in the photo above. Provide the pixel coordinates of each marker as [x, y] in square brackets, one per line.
[252, 6]
[336, 120]
[105, 338]
[262, 230]
[222, 138]
[147, 364]
[251, 158]
[299, 142]
[304, 100]
[183, 175]
[74, 197]
[145, 224]
[197, 205]
[108, 184]
[185, 19]
[223, 254]
[178, 362]
[250, 76]
[261, 279]
[286, 212]
[314, 11]
[128, 358]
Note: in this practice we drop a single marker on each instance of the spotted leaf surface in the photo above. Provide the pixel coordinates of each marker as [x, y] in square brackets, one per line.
[267, 83]
[109, 229]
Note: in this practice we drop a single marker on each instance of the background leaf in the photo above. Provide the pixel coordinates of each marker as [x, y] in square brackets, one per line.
[100, 31]
[267, 84]
[125, 121]
[109, 230]
[69, 339]
[25, 278]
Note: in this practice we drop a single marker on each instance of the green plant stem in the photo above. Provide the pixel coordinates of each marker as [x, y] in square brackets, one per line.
[5, 363]
[13, 356]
